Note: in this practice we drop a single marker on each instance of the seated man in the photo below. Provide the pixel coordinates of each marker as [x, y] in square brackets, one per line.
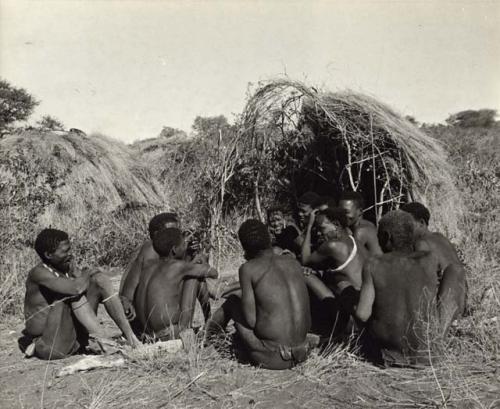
[167, 291]
[397, 295]
[144, 256]
[284, 235]
[60, 304]
[272, 316]
[341, 262]
[147, 255]
[364, 231]
[452, 286]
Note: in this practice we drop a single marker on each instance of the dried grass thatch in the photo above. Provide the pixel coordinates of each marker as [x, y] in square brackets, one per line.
[89, 186]
[346, 141]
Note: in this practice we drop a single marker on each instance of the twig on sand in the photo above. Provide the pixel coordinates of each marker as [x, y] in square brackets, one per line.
[183, 389]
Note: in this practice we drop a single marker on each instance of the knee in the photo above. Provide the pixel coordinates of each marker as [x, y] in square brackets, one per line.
[100, 280]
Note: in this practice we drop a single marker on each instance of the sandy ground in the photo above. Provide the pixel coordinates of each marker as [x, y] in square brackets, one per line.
[340, 380]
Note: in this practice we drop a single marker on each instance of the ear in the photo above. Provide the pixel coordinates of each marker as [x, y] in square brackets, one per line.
[422, 222]
[48, 255]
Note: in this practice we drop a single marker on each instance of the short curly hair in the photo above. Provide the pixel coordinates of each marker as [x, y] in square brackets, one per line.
[335, 214]
[166, 239]
[355, 197]
[254, 236]
[310, 198]
[418, 211]
[158, 222]
[48, 240]
[400, 227]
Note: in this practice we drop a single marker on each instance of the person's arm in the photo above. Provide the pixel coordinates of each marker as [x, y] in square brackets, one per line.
[247, 297]
[319, 289]
[230, 288]
[364, 308]
[371, 241]
[132, 277]
[61, 285]
[306, 244]
[326, 250]
[200, 271]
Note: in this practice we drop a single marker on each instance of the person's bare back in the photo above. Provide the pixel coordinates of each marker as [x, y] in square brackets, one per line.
[167, 291]
[405, 287]
[272, 317]
[281, 300]
[397, 299]
[452, 291]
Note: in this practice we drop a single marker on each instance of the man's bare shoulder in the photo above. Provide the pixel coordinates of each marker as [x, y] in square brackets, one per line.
[366, 224]
[38, 272]
[441, 239]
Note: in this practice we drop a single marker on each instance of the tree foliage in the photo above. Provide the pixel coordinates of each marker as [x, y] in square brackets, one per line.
[50, 123]
[16, 104]
[212, 128]
[169, 132]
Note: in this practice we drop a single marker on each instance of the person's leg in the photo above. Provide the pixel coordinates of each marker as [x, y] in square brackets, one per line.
[203, 297]
[59, 338]
[221, 317]
[100, 291]
[190, 290]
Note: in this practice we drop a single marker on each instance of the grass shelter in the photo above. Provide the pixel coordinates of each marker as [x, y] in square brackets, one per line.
[296, 138]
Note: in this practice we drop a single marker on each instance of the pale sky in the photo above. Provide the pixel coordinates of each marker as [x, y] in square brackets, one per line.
[127, 68]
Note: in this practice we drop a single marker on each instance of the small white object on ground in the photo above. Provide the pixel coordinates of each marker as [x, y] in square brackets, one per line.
[92, 362]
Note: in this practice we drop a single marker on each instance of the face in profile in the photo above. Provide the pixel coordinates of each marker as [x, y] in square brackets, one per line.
[61, 257]
[276, 223]
[329, 230]
[180, 248]
[303, 212]
[353, 212]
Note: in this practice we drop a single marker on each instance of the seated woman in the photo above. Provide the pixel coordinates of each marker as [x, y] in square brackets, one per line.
[285, 236]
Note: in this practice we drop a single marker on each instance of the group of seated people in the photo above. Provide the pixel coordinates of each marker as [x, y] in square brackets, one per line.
[332, 274]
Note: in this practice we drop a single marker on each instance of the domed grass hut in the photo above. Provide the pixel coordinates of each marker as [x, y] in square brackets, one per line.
[89, 186]
[295, 138]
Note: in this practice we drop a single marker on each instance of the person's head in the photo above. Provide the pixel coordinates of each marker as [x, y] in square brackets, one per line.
[169, 243]
[331, 222]
[396, 231]
[306, 204]
[326, 202]
[352, 203]
[54, 248]
[420, 214]
[162, 221]
[276, 220]
[254, 238]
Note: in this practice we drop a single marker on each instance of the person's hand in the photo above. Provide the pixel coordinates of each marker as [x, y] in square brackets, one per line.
[200, 258]
[312, 217]
[307, 271]
[128, 308]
